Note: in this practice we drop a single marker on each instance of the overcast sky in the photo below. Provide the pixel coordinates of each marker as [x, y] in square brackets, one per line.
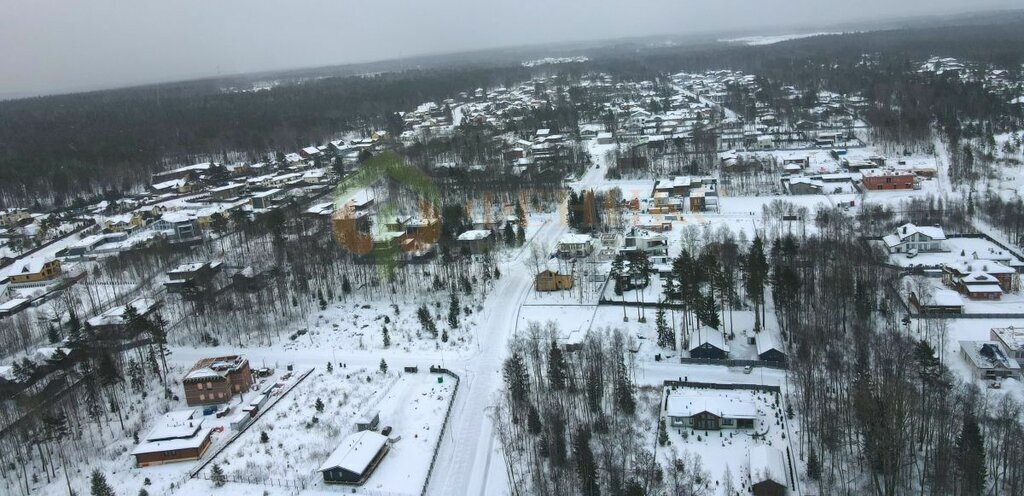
[49, 46]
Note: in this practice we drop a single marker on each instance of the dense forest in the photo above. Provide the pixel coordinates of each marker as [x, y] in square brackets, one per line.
[51, 148]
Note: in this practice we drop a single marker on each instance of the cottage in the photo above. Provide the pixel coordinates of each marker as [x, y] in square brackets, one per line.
[549, 280]
[938, 301]
[215, 380]
[957, 273]
[769, 347]
[710, 411]
[12, 217]
[980, 286]
[476, 240]
[767, 471]
[180, 227]
[708, 343]
[988, 360]
[35, 271]
[575, 245]
[178, 436]
[355, 459]
[191, 277]
[910, 238]
[112, 322]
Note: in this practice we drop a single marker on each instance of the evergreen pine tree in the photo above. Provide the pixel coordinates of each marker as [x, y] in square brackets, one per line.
[557, 368]
[971, 457]
[98, 485]
[319, 405]
[516, 378]
[586, 466]
[665, 337]
[453, 311]
[264, 438]
[813, 465]
[217, 476]
[383, 366]
[346, 286]
[330, 367]
[533, 423]
[386, 337]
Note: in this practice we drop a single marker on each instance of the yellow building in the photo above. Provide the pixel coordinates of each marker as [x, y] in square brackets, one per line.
[549, 280]
[36, 271]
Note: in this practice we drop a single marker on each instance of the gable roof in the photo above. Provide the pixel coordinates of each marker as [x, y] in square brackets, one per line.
[356, 452]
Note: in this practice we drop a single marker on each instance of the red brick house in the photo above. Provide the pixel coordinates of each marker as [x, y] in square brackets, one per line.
[887, 179]
[216, 380]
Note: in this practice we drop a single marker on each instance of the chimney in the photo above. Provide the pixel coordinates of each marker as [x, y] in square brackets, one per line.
[904, 229]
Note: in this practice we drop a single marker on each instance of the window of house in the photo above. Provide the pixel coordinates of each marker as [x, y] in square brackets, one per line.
[199, 386]
[727, 421]
[209, 385]
[202, 397]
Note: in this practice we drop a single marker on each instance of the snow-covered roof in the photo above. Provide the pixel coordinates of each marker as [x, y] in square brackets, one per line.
[710, 336]
[725, 404]
[1012, 337]
[767, 340]
[908, 229]
[115, 315]
[982, 266]
[474, 235]
[574, 239]
[174, 431]
[988, 355]
[767, 463]
[356, 452]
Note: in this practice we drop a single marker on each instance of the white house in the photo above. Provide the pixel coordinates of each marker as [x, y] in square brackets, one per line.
[910, 238]
[575, 245]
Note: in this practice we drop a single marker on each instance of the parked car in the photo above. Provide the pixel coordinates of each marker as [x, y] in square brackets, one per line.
[748, 369]
[386, 431]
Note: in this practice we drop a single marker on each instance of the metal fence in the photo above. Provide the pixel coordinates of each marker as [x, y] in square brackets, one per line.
[728, 362]
[198, 470]
[444, 424]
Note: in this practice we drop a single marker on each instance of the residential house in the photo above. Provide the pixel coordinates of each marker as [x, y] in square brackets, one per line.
[708, 343]
[191, 277]
[123, 223]
[988, 360]
[767, 471]
[180, 227]
[1012, 340]
[938, 301]
[910, 238]
[803, 186]
[13, 217]
[476, 240]
[213, 381]
[655, 245]
[177, 436]
[227, 192]
[575, 245]
[112, 322]
[355, 459]
[549, 280]
[265, 200]
[712, 411]
[769, 347]
[34, 271]
[980, 286]
[956, 274]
